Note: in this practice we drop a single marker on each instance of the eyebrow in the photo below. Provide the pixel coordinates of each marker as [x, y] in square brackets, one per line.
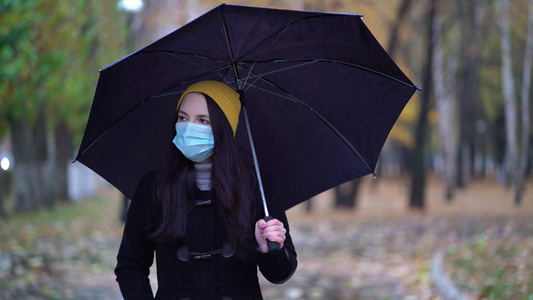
[201, 116]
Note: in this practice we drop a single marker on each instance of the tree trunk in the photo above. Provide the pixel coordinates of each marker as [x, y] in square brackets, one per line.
[64, 151]
[3, 213]
[392, 47]
[30, 173]
[23, 168]
[395, 28]
[471, 14]
[308, 205]
[511, 151]
[6, 182]
[44, 167]
[444, 79]
[346, 193]
[524, 139]
[418, 171]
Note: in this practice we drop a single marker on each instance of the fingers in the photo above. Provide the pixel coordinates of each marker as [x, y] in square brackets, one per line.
[272, 230]
[273, 226]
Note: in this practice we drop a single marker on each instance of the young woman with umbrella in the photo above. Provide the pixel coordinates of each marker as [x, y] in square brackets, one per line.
[201, 214]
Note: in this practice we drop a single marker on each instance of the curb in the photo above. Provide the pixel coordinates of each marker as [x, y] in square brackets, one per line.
[445, 286]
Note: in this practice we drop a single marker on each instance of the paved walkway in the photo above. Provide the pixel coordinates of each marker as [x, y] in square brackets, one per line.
[369, 254]
[346, 259]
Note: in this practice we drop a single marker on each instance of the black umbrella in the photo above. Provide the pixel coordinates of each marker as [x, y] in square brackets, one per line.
[320, 93]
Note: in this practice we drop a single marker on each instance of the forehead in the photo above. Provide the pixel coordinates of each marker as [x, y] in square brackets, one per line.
[194, 103]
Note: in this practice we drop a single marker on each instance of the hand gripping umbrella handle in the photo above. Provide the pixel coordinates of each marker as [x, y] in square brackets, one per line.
[273, 247]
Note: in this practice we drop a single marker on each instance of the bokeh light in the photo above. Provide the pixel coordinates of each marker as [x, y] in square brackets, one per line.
[5, 163]
[131, 5]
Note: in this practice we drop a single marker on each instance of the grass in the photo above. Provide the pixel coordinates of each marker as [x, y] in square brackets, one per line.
[494, 267]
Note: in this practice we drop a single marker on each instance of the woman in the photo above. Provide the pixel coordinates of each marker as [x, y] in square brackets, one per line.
[200, 215]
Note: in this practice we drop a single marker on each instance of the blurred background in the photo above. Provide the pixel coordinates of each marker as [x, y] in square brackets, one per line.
[450, 213]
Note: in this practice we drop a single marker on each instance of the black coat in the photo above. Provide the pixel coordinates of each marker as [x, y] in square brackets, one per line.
[185, 270]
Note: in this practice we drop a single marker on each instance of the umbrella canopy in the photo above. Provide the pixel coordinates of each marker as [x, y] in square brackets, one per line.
[320, 92]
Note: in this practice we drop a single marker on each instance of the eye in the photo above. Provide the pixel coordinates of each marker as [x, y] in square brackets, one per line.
[204, 121]
[182, 118]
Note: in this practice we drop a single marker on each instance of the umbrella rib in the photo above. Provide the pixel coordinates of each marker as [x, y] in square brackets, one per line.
[230, 51]
[175, 54]
[178, 55]
[160, 94]
[255, 76]
[293, 98]
[304, 63]
[182, 56]
[260, 76]
[279, 33]
[339, 134]
[318, 60]
[112, 125]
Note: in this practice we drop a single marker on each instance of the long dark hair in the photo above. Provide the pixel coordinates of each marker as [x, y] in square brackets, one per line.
[232, 185]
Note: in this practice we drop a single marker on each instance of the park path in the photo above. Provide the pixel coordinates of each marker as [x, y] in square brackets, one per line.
[379, 251]
[346, 259]
[341, 258]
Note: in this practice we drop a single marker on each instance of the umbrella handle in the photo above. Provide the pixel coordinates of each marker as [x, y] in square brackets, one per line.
[273, 247]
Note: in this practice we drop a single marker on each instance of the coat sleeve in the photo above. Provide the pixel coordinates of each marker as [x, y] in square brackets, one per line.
[136, 252]
[280, 267]
[277, 268]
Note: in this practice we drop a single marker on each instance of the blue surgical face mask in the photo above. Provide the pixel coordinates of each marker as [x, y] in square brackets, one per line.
[195, 141]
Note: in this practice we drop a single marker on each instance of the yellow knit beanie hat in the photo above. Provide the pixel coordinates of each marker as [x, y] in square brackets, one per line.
[225, 97]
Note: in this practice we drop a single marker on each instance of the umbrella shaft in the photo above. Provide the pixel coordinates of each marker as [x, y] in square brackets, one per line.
[256, 163]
